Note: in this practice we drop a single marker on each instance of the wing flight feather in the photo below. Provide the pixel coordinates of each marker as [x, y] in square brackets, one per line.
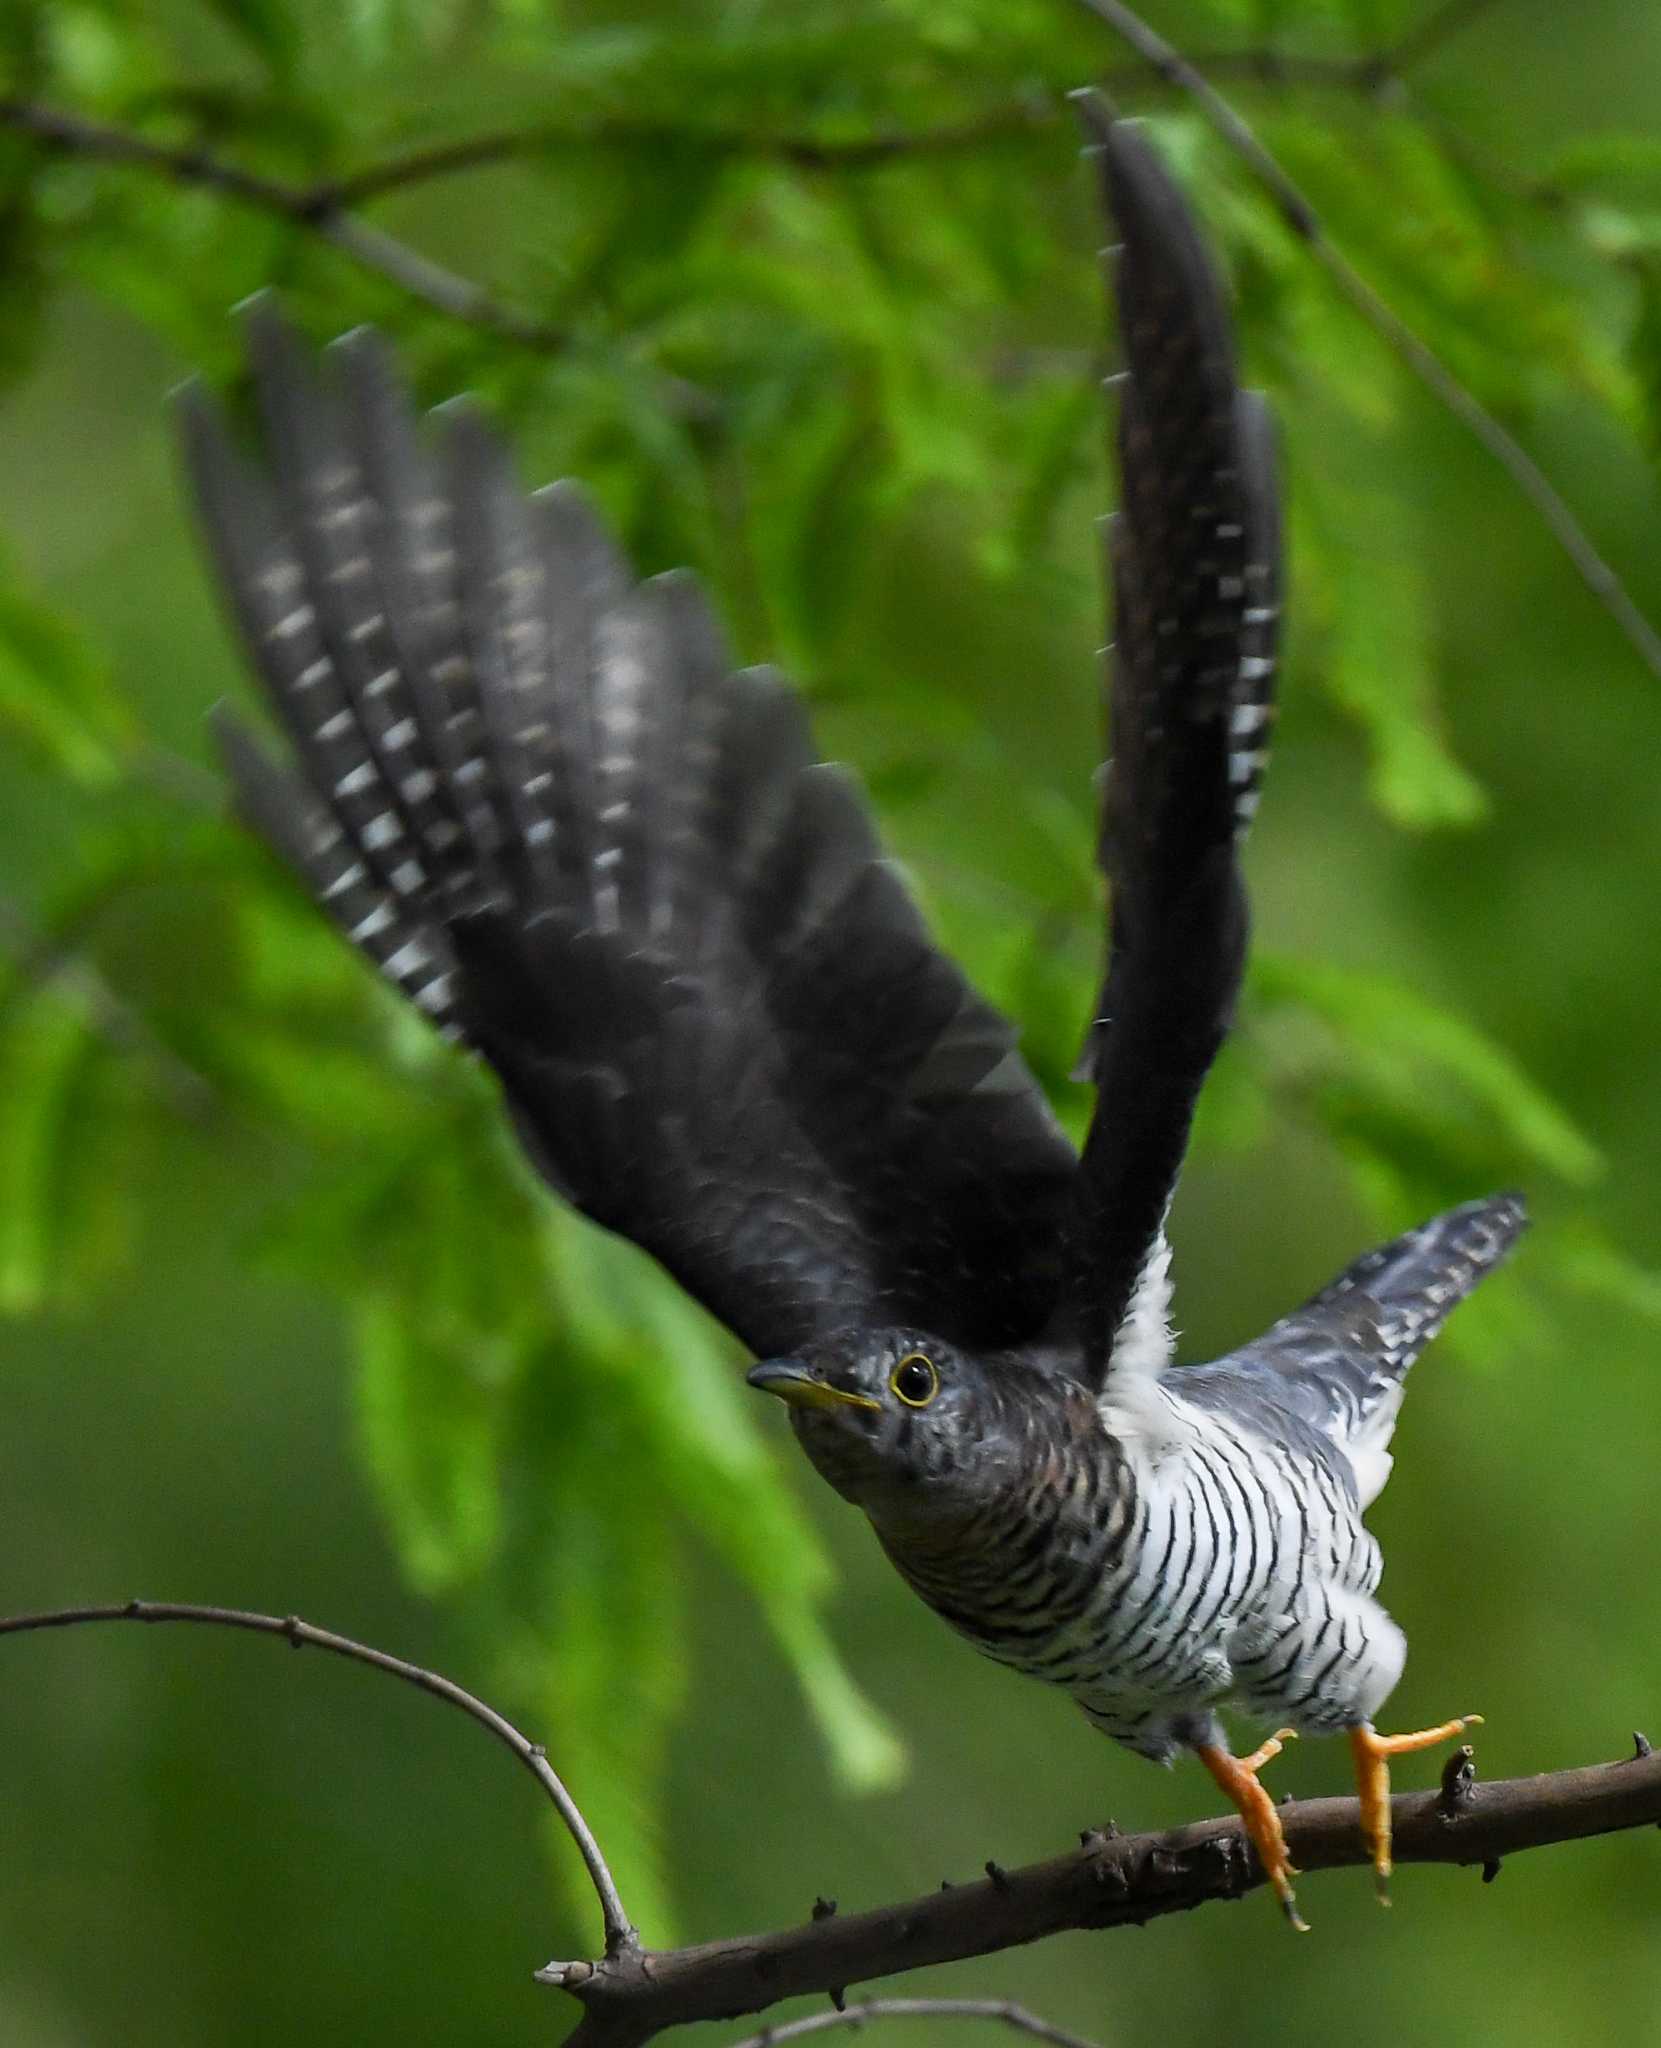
[1194, 571]
[542, 801]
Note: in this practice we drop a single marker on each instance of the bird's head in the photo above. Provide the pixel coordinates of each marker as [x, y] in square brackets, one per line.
[891, 1413]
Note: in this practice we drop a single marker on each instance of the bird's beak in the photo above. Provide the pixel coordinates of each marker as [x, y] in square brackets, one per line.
[792, 1381]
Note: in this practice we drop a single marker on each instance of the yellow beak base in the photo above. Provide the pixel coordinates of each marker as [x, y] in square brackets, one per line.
[793, 1382]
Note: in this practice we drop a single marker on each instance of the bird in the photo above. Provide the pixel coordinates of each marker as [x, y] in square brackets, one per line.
[540, 797]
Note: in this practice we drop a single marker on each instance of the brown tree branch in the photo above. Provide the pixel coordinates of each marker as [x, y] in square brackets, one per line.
[1300, 215]
[1112, 1880]
[619, 1933]
[629, 1994]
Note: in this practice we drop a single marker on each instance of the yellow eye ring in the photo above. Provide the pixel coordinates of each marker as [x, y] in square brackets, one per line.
[914, 1380]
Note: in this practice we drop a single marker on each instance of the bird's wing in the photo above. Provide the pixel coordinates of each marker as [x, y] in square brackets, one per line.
[1195, 574]
[535, 793]
[1337, 1364]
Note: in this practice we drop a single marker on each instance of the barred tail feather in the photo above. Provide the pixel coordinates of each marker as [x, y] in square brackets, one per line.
[1339, 1363]
[1417, 1280]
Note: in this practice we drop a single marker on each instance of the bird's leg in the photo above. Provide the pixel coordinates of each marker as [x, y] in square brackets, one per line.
[1237, 1776]
[1372, 1753]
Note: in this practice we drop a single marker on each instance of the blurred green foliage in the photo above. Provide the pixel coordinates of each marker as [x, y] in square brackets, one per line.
[820, 318]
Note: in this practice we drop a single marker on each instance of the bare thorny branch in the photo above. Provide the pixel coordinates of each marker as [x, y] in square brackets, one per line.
[630, 1994]
[326, 208]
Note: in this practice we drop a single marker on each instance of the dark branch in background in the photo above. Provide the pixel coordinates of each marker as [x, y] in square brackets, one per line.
[630, 1994]
[1419, 357]
[302, 206]
[802, 152]
[619, 1934]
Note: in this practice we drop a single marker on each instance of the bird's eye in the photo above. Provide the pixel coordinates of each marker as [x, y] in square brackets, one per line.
[914, 1380]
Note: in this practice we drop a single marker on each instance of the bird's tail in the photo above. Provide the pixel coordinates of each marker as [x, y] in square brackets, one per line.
[1395, 1300]
[1342, 1358]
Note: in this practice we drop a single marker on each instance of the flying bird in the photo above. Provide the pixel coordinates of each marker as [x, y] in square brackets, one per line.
[538, 795]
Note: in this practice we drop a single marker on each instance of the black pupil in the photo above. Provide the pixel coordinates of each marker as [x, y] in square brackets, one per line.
[916, 1381]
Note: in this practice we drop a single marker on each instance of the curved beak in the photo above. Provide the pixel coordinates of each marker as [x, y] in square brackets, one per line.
[796, 1383]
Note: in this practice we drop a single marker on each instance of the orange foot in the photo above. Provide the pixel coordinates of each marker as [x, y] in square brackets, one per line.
[1237, 1776]
[1372, 1753]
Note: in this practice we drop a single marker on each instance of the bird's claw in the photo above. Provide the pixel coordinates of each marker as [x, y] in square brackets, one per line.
[1237, 1776]
[1372, 1753]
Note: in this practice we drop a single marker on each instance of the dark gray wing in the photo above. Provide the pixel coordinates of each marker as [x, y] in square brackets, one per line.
[1195, 574]
[536, 794]
[1337, 1363]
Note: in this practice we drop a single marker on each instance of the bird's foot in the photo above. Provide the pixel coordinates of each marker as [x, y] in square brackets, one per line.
[1372, 1753]
[1237, 1776]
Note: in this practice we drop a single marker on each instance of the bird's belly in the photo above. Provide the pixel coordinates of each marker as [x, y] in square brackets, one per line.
[1134, 1637]
[1227, 1572]
[1209, 1560]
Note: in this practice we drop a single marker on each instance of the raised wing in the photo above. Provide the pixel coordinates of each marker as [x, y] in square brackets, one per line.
[1195, 575]
[538, 797]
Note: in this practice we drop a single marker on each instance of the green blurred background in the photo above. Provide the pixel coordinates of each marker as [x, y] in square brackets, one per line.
[288, 1328]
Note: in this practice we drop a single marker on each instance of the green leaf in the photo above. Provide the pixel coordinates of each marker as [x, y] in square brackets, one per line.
[429, 1427]
[23, 263]
[1377, 659]
[41, 1054]
[269, 27]
[866, 1755]
[55, 695]
[694, 1427]
[1592, 1265]
[1394, 1055]
[67, 1152]
[614, 1676]
[1644, 349]
[1619, 166]
[589, 1613]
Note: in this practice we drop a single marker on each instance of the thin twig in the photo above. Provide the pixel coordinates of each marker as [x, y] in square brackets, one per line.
[1032, 114]
[1423, 360]
[303, 206]
[619, 1933]
[1018, 119]
[998, 2010]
